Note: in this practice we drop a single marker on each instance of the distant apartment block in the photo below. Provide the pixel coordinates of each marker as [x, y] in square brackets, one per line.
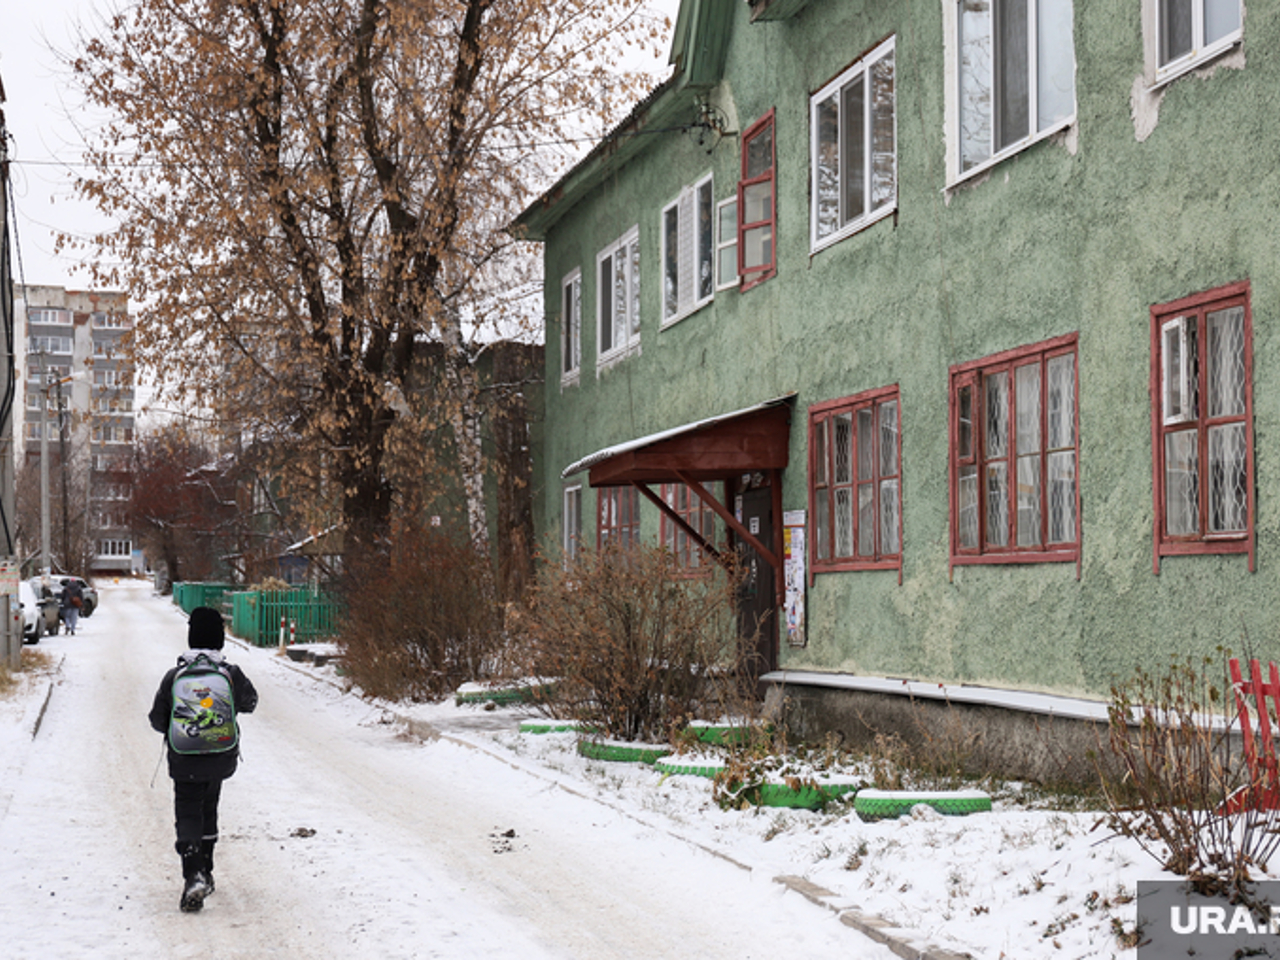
[78, 376]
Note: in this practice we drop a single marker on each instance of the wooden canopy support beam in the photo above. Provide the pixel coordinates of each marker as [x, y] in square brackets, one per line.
[745, 535]
[680, 522]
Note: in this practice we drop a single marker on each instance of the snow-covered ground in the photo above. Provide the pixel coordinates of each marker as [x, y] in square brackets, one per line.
[344, 834]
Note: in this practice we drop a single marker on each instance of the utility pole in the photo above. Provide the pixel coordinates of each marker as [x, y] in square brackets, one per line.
[63, 417]
[45, 565]
[10, 621]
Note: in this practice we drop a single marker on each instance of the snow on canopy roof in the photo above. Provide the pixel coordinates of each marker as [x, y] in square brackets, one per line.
[640, 442]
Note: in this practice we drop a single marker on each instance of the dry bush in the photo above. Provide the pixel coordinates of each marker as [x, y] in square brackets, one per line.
[421, 618]
[1175, 768]
[636, 646]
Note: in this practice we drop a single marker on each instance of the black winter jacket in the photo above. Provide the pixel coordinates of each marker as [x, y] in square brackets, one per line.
[213, 766]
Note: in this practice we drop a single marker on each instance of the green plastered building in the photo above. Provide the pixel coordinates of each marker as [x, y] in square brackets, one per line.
[958, 316]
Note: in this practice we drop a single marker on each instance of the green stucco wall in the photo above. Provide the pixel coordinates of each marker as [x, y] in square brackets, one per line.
[1080, 233]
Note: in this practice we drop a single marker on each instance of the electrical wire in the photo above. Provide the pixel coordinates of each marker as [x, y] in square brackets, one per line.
[6, 311]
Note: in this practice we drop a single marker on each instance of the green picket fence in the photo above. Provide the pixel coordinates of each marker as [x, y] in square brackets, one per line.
[256, 615]
[188, 596]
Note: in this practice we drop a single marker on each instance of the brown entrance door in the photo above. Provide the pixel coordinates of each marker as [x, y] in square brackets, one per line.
[757, 615]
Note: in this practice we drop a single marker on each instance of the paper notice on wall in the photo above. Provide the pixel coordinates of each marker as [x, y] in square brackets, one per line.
[793, 568]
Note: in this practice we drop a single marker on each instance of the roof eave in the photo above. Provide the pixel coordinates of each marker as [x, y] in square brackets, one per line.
[698, 46]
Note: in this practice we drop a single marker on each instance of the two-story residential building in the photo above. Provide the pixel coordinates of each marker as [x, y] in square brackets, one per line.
[957, 314]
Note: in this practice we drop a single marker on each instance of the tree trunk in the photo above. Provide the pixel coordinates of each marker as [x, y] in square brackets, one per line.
[465, 416]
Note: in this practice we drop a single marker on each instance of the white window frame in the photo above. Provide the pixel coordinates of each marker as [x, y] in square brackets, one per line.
[49, 315]
[689, 247]
[629, 329]
[109, 321]
[571, 537]
[860, 70]
[1175, 342]
[727, 244]
[1201, 53]
[956, 174]
[571, 327]
[51, 345]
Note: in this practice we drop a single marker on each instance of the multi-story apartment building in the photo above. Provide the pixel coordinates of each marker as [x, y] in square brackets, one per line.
[956, 315]
[75, 357]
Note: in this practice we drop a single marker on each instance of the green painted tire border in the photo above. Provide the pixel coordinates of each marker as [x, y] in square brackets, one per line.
[618, 753]
[806, 798]
[673, 764]
[499, 695]
[719, 734]
[549, 726]
[901, 802]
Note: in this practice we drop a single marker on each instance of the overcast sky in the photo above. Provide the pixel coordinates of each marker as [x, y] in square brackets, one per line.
[43, 122]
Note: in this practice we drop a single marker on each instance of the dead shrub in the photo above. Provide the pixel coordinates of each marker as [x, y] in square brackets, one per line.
[421, 618]
[637, 647]
[1174, 767]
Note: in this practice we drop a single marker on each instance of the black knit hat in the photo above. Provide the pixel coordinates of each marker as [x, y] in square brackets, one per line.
[205, 629]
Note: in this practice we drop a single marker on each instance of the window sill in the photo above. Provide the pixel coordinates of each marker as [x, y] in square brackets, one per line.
[856, 226]
[1195, 60]
[672, 321]
[1070, 555]
[569, 379]
[608, 360]
[986, 165]
[894, 563]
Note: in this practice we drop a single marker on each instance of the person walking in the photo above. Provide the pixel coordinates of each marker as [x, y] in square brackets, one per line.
[72, 602]
[196, 709]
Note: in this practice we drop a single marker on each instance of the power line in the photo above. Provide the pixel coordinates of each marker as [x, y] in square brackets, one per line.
[566, 142]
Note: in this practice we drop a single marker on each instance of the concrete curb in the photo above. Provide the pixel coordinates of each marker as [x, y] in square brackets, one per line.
[897, 939]
[54, 676]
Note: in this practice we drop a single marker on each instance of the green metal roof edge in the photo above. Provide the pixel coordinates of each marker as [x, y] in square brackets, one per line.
[698, 46]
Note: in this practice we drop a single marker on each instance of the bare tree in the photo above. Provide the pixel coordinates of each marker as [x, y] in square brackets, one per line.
[307, 192]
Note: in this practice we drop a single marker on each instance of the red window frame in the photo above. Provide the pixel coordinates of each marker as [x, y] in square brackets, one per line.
[865, 474]
[974, 456]
[694, 511]
[1196, 309]
[617, 516]
[749, 277]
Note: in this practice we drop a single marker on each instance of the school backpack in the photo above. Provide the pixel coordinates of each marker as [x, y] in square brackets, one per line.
[203, 719]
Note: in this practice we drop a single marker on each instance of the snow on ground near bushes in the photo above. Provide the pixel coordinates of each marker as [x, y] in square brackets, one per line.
[1016, 882]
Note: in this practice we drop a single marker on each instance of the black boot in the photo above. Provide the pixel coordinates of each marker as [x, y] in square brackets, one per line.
[195, 885]
[206, 856]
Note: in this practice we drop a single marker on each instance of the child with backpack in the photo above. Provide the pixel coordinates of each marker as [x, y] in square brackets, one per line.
[195, 708]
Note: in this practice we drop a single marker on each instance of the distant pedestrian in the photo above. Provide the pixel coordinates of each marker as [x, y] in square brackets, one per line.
[72, 602]
[195, 708]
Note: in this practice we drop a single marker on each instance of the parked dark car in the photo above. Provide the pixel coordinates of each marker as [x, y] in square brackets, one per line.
[89, 594]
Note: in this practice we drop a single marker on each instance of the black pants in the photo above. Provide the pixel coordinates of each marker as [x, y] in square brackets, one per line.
[195, 808]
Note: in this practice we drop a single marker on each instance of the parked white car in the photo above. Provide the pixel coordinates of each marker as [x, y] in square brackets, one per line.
[32, 620]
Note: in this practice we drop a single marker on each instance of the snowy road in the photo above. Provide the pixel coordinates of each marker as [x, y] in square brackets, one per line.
[340, 837]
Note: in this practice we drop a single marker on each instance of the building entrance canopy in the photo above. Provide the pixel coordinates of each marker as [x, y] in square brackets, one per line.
[753, 440]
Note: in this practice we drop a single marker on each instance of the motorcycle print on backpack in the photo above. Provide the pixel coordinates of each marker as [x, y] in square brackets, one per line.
[203, 719]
